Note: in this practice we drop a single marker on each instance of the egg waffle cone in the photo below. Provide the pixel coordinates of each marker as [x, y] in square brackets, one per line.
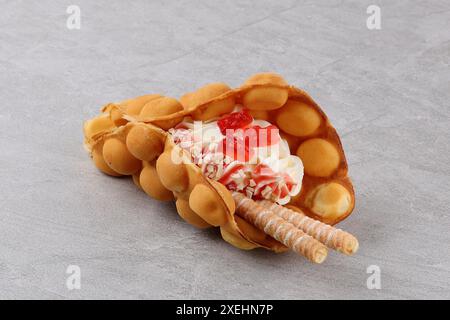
[131, 138]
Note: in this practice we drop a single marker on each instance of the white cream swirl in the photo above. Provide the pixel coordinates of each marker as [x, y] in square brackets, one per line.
[270, 173]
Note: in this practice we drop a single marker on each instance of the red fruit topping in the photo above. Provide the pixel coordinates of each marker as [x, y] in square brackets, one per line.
[235, 120]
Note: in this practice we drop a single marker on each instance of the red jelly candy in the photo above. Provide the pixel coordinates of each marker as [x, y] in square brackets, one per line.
[235, 120]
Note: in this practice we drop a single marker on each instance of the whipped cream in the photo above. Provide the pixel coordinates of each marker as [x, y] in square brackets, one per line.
[250, 157]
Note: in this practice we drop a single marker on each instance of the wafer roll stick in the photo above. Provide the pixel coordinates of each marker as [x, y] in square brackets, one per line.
[279, 229]
[330, 236]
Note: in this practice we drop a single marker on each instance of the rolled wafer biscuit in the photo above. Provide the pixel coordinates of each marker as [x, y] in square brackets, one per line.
[279, 229]
[330, 236]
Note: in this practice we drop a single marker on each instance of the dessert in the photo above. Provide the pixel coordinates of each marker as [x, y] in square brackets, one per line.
[244, 154]
[278, 180]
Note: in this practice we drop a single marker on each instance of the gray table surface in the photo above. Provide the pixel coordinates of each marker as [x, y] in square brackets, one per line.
[386, 91]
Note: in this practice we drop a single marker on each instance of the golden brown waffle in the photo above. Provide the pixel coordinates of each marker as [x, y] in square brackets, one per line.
[131, 138]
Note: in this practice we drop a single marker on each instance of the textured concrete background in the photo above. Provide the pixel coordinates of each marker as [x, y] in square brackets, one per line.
[387, 92]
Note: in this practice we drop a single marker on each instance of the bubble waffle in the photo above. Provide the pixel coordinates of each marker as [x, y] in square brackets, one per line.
[132, 138]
